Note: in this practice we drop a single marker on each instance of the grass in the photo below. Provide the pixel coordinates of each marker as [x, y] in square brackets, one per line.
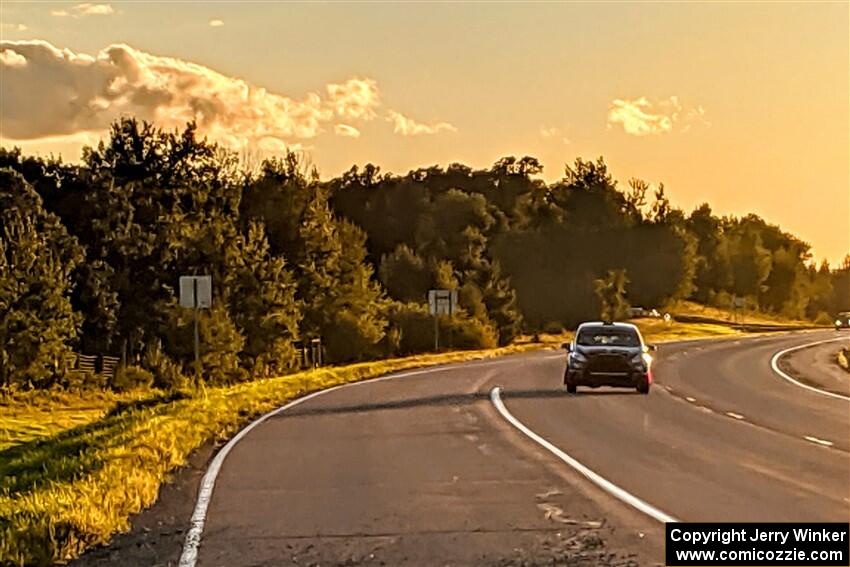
[843, 358]
[743, 316]
[74, 467]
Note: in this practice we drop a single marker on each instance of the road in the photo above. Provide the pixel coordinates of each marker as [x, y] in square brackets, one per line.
[423, 470]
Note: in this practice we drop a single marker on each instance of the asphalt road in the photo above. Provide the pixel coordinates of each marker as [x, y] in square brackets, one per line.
[422, 470]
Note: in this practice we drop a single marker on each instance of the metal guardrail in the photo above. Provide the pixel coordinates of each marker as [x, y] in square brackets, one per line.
[104, 365]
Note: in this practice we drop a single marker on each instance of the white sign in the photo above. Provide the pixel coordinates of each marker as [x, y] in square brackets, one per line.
[196, 292]
[442, 301]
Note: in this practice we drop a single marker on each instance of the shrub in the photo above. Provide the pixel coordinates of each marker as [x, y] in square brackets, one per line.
[130, 378]
[413, 330]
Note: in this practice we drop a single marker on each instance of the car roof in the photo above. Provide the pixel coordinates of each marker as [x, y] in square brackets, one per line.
[616, 325]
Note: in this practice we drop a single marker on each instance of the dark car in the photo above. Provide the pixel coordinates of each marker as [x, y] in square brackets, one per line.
[608, 354]
[842, 321]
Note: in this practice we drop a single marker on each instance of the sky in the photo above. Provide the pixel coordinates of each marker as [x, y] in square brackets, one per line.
[742, 105]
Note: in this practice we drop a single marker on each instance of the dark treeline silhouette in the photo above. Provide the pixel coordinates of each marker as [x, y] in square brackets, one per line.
[90, 257]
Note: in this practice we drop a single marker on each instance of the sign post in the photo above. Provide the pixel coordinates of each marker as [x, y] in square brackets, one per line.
[195, 294]
[441, 302]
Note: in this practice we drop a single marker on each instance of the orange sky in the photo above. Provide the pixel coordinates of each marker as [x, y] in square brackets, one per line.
[743, 105]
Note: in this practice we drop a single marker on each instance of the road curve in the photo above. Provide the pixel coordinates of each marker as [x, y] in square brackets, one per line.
[423, 470]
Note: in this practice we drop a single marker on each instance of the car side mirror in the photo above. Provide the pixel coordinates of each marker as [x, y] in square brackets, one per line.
[567, 347]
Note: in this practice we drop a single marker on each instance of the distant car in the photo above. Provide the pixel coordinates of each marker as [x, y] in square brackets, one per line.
[842, 321]
[608, 354]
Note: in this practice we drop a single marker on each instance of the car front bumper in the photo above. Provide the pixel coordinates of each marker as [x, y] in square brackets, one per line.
[582, 377]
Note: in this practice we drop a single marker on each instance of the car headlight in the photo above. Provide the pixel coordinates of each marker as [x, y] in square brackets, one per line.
[577, 359]
[643, 359]
[838, 322]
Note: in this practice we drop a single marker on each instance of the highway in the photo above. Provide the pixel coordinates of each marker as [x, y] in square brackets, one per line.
[423, 469]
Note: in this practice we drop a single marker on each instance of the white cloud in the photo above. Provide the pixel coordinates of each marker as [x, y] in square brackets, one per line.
[409, 127]
[346, 131]
[12, 26]
[60, 92]
[216, 23]
[85, 9]
[641, 117]
[11, 58]
[355, 98]
[52, 93]
[553, 132]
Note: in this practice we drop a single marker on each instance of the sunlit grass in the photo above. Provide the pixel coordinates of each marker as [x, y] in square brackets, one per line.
[743, 316]
[843, 358]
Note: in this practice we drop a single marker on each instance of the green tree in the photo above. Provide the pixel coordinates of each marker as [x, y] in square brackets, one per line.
[342, 303]
[611, 293]
[37, 258]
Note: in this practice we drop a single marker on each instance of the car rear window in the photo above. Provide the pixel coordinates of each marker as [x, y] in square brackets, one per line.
[601, 336]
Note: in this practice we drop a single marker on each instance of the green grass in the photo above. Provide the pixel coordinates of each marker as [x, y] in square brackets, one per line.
[74, 467]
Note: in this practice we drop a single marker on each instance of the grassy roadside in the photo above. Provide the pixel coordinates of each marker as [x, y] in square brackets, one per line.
[75, 467]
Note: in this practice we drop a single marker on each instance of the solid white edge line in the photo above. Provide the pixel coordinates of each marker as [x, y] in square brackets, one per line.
[823, 442]
[774, 364]
[596, 479]
[191, 544]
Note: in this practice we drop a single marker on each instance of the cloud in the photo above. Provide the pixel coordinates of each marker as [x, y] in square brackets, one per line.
[60, 92]
[346, 131]
[355, 98]
[55, 94]
[86, 9]
[11, 26]
[10, 58]
[553, 132]
[640, 117]
[216, 23]
[409, 127]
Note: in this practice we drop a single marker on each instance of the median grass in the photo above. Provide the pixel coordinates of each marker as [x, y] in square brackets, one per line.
[843, 358]
[74, 467]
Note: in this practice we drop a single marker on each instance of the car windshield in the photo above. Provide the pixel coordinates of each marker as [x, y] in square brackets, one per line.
[844, 314]
[599, 336]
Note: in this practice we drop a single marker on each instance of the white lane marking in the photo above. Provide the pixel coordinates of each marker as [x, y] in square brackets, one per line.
[189, 557]
[690, 399]
[735, 415]
[599, 481]
[823, 442]
[774, 363]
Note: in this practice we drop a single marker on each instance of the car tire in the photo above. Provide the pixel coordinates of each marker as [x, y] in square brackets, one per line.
[643, 388]
[571, 388]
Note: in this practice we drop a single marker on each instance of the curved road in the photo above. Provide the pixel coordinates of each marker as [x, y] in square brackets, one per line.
[422, 470]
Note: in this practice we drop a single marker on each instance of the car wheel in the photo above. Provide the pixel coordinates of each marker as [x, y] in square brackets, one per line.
[643, 388]
[571, 388]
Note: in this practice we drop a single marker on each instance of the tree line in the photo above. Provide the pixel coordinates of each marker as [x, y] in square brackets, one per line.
[91, 253]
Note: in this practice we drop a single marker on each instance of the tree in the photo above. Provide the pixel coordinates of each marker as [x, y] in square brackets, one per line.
[262, 299]
[611, 293]
[342, 303]
[37, 257]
